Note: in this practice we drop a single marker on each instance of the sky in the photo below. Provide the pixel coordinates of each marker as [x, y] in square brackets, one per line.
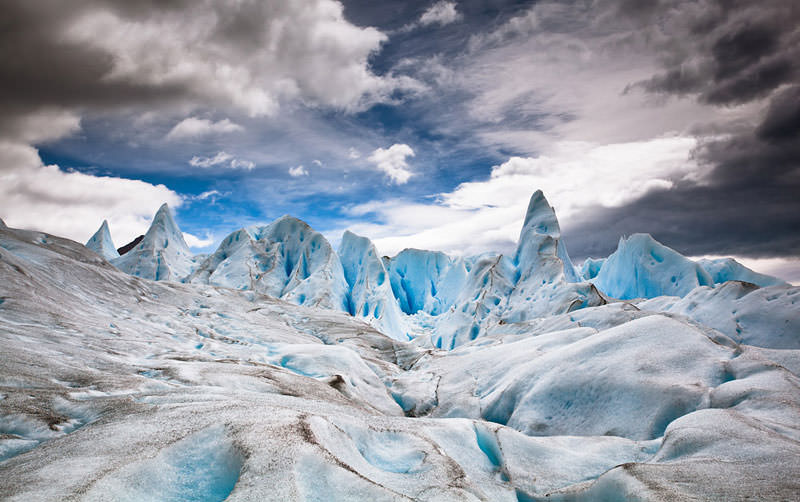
[422, 124]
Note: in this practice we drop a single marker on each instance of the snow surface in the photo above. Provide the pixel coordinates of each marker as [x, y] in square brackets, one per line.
[102, 244]
[517, 384]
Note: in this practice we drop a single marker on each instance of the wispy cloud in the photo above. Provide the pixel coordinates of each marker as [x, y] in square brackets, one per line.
[222, 159]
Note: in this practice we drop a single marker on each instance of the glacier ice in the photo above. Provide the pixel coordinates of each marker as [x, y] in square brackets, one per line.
[545, 282]
[591, 267]
[102, 244]
[228, 385]
[426, 281]
[746, 313]
[286, 259]
[370, 296]
[162, 255]
[727, 269]
[642, 267]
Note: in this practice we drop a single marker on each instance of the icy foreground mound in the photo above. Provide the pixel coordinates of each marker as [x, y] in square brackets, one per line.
[113, 387]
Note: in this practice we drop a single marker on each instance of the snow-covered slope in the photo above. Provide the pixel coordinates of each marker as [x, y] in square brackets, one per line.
[727, 269]
[162, 255]
[765, 317]
[642, 267]
[114, 387]
[102, 244]
[286, 259]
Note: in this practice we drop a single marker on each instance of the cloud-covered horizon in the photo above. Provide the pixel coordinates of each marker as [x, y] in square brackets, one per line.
[423, 122]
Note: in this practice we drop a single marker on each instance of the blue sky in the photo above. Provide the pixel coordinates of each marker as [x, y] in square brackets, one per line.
[418, 124]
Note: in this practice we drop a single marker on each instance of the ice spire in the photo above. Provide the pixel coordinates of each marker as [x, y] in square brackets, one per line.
[102, 244]
[162, 254]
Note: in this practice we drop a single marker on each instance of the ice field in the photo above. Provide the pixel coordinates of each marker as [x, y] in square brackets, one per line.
[278, 368]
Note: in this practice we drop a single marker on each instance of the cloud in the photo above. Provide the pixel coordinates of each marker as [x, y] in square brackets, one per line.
[73, 204]
[42, 126]
[317, 162]
[298, 171]
[247, 165]
[193, 127]
[726, 52]
[392, 161]
[487, 215]
[89, 56]
[250, 54]
[352, 153]
[210, 195]
[746, 205]
[217, 159]
[442, 13]
[196, 242]
[718, 77]
[221, 159]
[575, 176]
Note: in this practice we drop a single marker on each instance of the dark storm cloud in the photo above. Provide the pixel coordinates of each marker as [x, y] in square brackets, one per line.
[40, 70]
[727, 52]
[722, 53]
[782, 122]
[749, 205]
[90, 55]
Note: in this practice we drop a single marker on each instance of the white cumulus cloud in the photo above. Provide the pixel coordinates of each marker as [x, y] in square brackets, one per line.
[196, 242]
[442, 12]
[253, 55]
[298, 171]
[392, 161]
[193, 127]
[73, 204]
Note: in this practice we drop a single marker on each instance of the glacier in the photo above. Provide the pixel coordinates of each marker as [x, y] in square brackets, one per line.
[723, 270]
[277, 368]
[102, 244]
[642, 267]
[286, 259]
[163, 253]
